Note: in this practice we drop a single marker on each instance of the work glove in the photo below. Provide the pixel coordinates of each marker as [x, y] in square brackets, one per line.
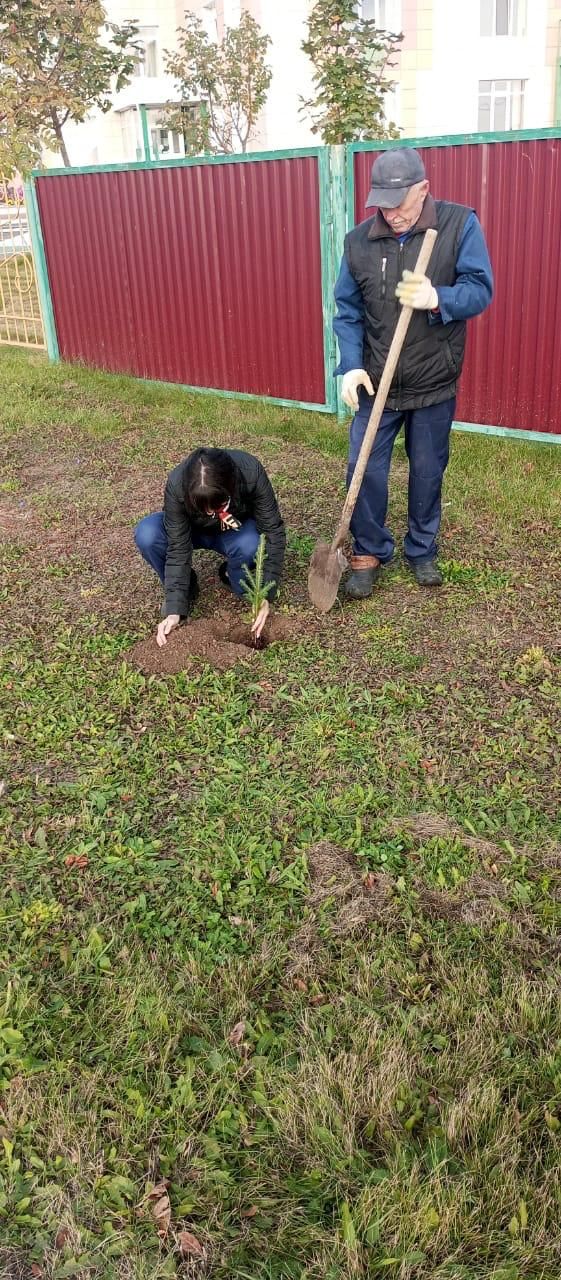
[417, 291]
[352, 380]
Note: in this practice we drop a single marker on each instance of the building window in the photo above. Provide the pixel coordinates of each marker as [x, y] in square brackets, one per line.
[501, 105]
[166, 143]
[503, 17]
[385, 13]
[147, 61]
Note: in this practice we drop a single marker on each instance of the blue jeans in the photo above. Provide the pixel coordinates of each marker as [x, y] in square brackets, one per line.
[427, 444]
[237, 546]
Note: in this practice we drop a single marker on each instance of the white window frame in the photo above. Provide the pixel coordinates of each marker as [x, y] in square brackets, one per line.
[147, 62]
[516, 19]
[385, 13]
[513, 92]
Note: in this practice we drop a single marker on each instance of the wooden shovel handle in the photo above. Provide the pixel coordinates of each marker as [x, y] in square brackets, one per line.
[381, 397]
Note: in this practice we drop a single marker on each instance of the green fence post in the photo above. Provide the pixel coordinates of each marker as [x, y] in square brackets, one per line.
[326, 243]
[338, 157]
[332, 234]
[145, 130]
[41, 271]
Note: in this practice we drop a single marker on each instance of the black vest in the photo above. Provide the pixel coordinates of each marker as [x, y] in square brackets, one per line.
[433, 355]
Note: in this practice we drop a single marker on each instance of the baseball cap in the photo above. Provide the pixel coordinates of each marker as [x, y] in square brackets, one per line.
[393, 172]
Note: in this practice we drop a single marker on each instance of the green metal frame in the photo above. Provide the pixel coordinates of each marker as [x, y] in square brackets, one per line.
[507, 433]
[331, 172]
[143, 112]
[180, 162]
[236, 395]
[41, 270]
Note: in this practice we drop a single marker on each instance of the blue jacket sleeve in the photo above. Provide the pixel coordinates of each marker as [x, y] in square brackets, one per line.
[349, 320]
[473, 288]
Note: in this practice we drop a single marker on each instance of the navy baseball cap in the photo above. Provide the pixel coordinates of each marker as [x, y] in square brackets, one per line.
[393, 173]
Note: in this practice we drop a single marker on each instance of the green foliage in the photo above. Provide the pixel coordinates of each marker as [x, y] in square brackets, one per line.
[351, 58]
[228, 82]
[255, 590]
[58, 60]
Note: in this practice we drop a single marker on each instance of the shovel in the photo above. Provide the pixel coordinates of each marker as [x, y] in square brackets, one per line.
[328, 562]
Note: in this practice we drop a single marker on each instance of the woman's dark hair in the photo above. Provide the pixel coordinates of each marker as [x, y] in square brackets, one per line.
[211, 478]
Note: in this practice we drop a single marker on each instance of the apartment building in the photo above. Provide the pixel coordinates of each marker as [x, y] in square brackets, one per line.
[464, 66]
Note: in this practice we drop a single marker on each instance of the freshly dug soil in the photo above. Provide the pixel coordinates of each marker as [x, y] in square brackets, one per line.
[219, 641]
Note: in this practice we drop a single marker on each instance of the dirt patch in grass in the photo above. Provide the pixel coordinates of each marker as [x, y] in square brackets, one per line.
[358, 900]
[220, 642]
[478, 902]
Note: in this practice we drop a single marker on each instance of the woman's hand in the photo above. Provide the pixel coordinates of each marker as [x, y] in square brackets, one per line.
[165, 627]
[261, 618]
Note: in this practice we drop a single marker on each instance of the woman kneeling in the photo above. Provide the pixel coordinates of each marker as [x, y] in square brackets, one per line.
[222, 500]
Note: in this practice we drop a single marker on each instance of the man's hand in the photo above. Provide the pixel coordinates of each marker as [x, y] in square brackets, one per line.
[261, 618]
[165, 627]
[352, 380]
[417, 291]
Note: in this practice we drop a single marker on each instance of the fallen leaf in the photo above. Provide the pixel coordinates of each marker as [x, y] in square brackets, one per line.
[189, 1246]
[215, 889]
[160, 1208]
[237, 1034]
[251, 1212]
[36, 1270]
[300, 984]
[61, 1237]
[369, 880]
[79, 860]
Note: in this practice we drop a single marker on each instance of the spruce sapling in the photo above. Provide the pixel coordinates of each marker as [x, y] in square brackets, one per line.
[254, 589]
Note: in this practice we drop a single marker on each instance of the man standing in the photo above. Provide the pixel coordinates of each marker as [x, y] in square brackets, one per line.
[376, 277]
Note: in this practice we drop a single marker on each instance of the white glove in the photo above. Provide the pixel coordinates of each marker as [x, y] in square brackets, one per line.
[165, 627]
[417, 291]
[352, 380]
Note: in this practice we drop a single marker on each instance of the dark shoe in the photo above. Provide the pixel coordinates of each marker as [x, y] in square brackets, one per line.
[223, 574]
[426, 573]
[365, 572]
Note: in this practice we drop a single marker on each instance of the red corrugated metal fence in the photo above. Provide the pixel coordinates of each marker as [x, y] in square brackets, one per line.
[207, 275]
[512, 376]
[216, 275]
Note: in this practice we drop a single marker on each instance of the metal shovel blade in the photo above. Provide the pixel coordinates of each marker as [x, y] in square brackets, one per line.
[324, 575]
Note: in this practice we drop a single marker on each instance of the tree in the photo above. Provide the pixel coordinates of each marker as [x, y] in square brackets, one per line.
[58, 60]
[229, 81]
[351, 57]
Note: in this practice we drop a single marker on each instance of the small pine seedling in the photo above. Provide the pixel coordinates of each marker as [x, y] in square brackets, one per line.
[254, 589]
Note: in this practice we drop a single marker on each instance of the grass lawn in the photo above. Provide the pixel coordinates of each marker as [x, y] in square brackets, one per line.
[283, 942]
